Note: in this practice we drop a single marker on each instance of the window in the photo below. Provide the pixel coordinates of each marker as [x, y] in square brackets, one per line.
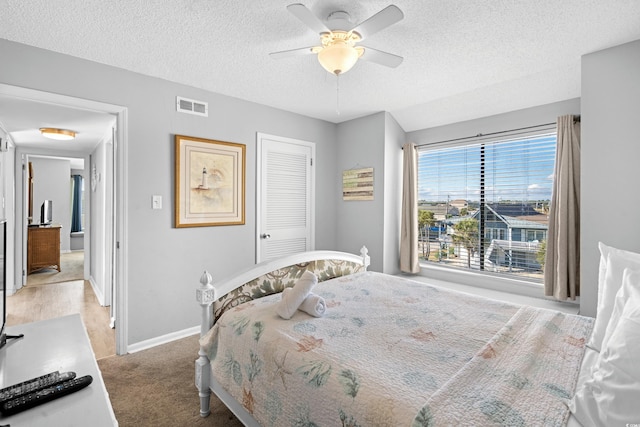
[77, 203]
[496, 233]
[536, 235]
[484, 205]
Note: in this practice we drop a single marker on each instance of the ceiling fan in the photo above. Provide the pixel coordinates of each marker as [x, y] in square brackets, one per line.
[338, 51]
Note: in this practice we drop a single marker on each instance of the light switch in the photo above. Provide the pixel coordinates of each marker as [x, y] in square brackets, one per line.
[156, 202]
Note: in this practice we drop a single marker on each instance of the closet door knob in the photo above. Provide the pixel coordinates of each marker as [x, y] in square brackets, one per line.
[266, 236]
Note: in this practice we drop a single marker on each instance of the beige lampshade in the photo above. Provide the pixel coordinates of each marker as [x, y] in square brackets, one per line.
[59, 134]
[338, 58]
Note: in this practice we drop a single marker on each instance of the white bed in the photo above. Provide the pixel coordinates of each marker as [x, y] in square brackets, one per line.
[388, 351]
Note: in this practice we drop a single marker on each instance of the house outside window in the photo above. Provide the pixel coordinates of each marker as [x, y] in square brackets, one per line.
[486, 204]
[536, 235]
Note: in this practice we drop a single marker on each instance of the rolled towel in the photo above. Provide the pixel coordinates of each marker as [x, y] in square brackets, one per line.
[314, 305]
[293, 297]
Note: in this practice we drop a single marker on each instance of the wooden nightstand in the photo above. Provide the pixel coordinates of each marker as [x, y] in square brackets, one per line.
[43, 245]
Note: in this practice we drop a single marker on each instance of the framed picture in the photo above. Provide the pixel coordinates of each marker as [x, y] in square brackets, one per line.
[210, 182]
[357, 184]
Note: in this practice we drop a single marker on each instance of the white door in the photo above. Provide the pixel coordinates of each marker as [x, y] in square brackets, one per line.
[285, 197]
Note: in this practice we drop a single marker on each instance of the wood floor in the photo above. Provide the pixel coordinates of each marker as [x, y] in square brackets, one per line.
[47, 301]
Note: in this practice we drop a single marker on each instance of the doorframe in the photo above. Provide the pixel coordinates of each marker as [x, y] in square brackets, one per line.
[25, 158]
[121, 226]
[312, 201]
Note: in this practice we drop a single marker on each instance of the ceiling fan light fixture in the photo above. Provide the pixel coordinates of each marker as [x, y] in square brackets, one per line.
[338, 58]
[339, 51]
[59, 134]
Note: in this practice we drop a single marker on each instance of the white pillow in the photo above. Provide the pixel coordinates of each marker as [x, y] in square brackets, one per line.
[630, 289]
[611, 397]
[616, 261]
[602, 268]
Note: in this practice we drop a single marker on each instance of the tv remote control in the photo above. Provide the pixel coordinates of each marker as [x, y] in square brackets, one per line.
[34, 384]
[39, 397]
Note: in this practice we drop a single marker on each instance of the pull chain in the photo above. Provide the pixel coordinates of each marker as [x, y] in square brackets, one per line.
[338, 94]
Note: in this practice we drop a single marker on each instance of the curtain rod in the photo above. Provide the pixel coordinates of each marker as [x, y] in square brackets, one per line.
[479, 135]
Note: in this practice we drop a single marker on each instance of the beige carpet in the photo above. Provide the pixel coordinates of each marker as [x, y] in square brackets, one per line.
[72, 268]
[156, 387]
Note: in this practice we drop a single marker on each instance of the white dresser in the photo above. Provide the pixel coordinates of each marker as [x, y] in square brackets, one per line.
[60, 344]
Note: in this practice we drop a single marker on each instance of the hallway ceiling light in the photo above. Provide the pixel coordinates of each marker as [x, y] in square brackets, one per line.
[59, 134]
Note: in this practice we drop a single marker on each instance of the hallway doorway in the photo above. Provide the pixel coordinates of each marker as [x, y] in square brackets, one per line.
[103, 157]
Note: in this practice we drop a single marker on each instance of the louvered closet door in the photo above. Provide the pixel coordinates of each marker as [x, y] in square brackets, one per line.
[285, 197]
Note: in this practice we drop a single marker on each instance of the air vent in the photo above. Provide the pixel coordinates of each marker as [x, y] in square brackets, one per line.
[191, 106]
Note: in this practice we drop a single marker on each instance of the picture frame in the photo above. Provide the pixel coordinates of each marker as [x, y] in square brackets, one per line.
[357, 184]
[209, 182]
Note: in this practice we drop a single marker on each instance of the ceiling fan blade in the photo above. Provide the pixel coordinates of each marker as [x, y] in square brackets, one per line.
[381, 20]
[301, 12]
[380, 57]
[293, 52]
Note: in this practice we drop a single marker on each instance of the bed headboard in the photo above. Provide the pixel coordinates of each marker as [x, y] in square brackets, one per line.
[272, 277]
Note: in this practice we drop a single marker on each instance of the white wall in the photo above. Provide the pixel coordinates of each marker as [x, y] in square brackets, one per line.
[4, 159]
[97, 224]
[610, 159]
[7, 171]
[51, 181]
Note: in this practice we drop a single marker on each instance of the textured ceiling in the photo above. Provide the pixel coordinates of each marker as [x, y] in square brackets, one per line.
[462, 59]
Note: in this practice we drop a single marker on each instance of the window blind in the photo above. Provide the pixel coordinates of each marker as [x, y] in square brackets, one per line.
[484, 204]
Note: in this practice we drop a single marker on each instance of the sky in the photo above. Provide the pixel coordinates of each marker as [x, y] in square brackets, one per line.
[515, 170]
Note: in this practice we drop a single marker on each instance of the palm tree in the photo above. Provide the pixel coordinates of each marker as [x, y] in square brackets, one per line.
[542, 252]
[466, 233]
[426, 220]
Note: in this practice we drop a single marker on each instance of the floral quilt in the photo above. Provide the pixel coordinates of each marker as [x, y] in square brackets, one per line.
[382, 355]
[522, 377]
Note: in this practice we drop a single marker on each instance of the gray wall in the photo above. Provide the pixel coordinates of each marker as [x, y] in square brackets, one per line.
[610, 159]
[372, 141]
[395, 137]
[500, 122]
[52, 181]
[165, 263]
[361, 222]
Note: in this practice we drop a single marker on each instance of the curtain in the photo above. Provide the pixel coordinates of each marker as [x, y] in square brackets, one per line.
[562, 259]
[409, 227]
[76, 204]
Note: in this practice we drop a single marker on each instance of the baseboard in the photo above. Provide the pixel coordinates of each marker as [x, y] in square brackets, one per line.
[163, 339]
[97, 291]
